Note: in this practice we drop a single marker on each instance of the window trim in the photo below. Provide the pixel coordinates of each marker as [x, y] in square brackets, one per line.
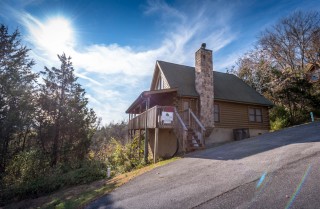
[214, 113]
[255, 114]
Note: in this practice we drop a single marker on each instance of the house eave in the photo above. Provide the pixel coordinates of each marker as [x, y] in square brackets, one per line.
[242, 102]
[145, 94]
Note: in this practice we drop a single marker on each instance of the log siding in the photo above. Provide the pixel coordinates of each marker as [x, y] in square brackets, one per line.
[236, 115]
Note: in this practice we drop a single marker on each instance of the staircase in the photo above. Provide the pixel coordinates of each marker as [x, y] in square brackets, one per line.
[189, 131]
[193, 141]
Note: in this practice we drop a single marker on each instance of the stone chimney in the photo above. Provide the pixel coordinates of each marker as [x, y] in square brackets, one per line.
[204, 86]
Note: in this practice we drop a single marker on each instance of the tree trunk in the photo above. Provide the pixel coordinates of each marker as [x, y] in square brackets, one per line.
[55, 154]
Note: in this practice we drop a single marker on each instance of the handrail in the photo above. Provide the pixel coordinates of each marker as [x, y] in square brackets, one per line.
[180, 120]
[180, 129]
[196, 126]
[185, 116]
[197, 120]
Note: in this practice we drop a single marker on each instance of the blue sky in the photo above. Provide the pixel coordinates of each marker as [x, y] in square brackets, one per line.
[114, 44]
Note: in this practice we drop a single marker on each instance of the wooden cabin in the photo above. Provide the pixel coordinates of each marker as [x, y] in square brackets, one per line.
[313, 73]
[188, 108]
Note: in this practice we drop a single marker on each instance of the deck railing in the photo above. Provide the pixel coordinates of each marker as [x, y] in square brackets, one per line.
[153, 118]
[181, 123]
[149, 116]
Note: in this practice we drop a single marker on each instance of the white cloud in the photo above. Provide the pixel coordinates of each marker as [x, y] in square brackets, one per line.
[112, 74]
[83, 76]
[166, 11]
[114, 59]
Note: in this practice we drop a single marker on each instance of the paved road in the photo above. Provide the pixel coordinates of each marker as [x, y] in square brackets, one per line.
[275, 170]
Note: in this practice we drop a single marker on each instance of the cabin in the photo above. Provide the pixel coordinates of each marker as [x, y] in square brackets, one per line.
[189, 108]
[313, 73]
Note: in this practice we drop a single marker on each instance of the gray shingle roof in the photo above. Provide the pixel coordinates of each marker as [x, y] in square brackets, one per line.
[227, 87]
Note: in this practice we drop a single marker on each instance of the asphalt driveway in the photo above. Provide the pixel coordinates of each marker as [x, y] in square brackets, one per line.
[274, 170]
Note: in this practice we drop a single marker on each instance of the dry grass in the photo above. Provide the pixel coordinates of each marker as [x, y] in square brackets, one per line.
[79, 196]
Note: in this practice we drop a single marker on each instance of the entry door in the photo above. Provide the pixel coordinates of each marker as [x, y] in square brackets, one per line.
[185, 105]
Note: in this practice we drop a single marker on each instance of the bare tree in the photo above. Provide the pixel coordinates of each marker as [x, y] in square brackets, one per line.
[291, 42]
[255, 69]
[277, 66]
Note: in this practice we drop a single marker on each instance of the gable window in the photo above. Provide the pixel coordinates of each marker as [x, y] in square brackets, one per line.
[216, 113]
[160, 84]
[255, 115]
[315, 76]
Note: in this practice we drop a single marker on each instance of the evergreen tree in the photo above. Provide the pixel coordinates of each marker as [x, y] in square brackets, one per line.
[16, 95]
[67, 124]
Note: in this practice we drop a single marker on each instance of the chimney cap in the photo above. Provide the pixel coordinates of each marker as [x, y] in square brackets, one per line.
[203, 45]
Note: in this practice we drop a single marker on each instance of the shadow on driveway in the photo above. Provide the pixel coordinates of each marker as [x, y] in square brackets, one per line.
[240, 149]
[103, 203]
[181, 185]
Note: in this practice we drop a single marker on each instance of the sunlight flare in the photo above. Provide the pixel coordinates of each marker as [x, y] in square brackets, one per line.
[56, 35]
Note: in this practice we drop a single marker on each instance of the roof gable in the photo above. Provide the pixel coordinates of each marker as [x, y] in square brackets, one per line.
[155, 79]
[179, 76]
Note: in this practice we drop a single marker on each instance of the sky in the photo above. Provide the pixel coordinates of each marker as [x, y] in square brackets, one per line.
[114, 44]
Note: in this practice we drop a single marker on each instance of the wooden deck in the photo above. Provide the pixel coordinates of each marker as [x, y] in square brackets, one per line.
[150, 119]
[186, 126]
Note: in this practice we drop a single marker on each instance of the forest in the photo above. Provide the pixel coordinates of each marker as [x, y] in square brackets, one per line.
[48, 136]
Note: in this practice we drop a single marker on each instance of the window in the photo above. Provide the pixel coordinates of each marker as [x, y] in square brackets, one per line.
[216, 113]
[315, 76]
[255, 115]
[160, 83]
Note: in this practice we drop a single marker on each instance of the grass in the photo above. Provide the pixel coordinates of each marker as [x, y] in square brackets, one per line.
[79, 196]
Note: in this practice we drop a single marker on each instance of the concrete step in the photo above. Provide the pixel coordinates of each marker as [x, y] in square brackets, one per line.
[196, 140]
[190, 149]
[190, 138]
[194, 145]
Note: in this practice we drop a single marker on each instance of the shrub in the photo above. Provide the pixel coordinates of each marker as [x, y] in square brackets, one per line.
[278, 123]
[25, 167]
[123, 158]
[23, 180]
[29, 175]
[279, 118]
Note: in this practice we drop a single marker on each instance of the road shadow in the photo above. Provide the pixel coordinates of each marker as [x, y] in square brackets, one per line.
[105, 202]
[240, 149]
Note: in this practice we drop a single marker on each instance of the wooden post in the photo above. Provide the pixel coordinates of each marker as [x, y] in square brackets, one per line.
[129, 129]
[156, 139]
[139, 145]
[189, 117]
[146, 133]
